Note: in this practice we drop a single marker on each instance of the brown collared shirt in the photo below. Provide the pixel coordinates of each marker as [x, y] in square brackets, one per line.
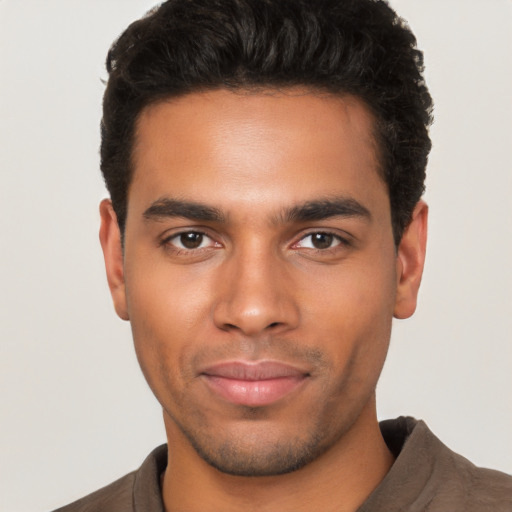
[426, 477]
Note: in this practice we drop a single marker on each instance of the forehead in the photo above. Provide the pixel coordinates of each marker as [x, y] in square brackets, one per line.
[240, 147]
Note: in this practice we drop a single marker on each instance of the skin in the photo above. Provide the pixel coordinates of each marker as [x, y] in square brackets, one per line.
[262, 285]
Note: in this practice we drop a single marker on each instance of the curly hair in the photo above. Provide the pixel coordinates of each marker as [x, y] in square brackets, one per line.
[357, 47]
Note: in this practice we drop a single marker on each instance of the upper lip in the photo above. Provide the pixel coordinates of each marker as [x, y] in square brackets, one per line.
[253, 371]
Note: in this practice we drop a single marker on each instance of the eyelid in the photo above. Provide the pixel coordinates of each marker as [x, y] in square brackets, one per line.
[168, 236]
[343, 239]
[335, 239]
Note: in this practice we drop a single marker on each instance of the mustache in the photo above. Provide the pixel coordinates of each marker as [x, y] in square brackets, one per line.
[273, 348]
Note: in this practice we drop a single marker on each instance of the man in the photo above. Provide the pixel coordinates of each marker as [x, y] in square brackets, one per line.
[266, 162]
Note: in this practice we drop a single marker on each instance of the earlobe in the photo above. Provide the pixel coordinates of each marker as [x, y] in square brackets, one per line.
[110, 239]
[410, 262]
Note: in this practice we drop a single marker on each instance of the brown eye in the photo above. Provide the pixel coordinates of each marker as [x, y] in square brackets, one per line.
[322, 240]
[191, 240]
[189, 243]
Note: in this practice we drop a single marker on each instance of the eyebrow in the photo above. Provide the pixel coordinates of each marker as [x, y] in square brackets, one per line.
[166, 207]
[325, 209]
[314, 210]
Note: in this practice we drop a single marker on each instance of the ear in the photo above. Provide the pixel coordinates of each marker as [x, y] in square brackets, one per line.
[410, 262]
[110, 238]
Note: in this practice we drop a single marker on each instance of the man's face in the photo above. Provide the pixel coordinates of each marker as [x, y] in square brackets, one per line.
[260, 273]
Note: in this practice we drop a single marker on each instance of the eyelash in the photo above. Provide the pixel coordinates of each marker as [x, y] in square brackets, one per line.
[181, 251]
[167, 241]
[341, 241]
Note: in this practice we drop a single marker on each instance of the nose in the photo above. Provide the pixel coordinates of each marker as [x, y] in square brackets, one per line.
[255, 295]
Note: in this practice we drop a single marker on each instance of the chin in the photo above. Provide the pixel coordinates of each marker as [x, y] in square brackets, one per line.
[278, 461]
[253, 455]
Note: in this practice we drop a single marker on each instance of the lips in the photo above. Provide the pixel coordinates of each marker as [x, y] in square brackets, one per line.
[253, 384]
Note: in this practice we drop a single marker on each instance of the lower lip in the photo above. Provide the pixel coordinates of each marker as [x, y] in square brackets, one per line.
[253, 393]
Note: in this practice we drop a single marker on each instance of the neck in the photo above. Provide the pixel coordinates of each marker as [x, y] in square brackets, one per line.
[339, 480]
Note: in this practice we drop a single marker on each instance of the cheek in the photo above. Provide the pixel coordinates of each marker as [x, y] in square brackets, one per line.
[166, 299]
[167, 315]
[353, 328]
[352, 315]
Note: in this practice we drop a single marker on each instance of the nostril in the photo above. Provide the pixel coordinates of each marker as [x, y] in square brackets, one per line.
[274, 324]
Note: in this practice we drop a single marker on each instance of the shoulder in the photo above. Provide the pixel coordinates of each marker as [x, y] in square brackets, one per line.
[137, 490]
[116, 497]
[479, 488]
[427, 475]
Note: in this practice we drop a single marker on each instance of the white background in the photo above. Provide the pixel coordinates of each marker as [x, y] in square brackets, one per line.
[75, 412]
